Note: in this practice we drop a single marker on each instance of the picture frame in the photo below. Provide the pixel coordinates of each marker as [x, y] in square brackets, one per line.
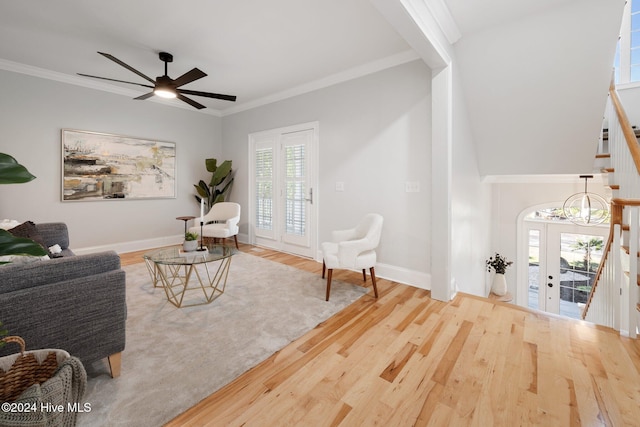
[103, 166]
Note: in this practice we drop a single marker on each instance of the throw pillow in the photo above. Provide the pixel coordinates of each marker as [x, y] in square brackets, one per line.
[29, 230]
[7, 224]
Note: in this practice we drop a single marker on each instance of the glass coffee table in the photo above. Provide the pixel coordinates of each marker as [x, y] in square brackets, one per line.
[178, 272]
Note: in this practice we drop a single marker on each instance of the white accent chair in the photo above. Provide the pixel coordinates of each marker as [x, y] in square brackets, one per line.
[220, 222]
[353, 249]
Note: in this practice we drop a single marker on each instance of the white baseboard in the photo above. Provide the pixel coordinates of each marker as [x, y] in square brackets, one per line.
[402, 275]
[417, 279]
[136, 245]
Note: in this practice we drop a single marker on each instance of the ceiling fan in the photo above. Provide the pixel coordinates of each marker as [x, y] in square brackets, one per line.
[164, 86]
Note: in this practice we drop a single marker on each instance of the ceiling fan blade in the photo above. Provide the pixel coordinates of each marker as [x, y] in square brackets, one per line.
[145, 96]
[128, 67]
[189, 76]
[207, 94]
[114, 80]
[190, 102]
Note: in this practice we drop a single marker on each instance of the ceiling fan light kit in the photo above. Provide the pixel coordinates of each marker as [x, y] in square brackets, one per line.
[164, 86]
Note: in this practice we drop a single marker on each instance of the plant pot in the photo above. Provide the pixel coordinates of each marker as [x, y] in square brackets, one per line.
[190, 245]
[499, 285]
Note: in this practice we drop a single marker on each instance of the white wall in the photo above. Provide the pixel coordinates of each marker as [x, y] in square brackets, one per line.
[375, 135]
[32, 113]
[470, 203]
[538, 85]
[510, 199]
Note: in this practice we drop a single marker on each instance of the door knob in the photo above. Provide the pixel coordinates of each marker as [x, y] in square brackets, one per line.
[550, 285]
[550, 277]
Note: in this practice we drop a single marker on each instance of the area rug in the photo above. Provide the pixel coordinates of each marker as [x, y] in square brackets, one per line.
[175, 357]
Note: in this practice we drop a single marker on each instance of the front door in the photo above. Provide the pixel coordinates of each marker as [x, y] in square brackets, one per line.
[563, 261]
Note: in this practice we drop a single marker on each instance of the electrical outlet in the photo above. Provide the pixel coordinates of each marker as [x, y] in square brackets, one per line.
[339, 186]
[412, 187]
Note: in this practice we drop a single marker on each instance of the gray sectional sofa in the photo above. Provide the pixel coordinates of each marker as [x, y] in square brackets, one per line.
[75, 302]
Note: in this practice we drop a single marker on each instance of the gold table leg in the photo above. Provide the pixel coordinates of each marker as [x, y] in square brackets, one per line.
[176, 283]
[152, 267]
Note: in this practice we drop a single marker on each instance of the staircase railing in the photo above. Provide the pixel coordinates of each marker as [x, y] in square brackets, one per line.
[613, 300]
[603, 308]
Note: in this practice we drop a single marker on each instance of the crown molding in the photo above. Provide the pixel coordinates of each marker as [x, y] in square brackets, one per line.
[350, 74]
[443, 17]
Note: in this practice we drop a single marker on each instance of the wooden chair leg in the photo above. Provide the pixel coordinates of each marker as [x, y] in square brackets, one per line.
[324, 267]
[115, 361]
[373, 280]
[364, 275]
[235, 237]
[329, 283]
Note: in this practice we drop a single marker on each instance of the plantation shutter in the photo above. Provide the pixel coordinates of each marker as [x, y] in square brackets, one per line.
[264, 183]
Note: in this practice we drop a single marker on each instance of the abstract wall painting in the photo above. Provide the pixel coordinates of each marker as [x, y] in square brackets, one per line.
[100, 166]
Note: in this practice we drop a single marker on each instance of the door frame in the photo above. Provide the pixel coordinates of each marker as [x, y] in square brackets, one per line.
[313, 179]
[522, 251]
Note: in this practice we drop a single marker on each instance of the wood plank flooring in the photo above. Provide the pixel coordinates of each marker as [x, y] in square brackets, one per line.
[405, 359]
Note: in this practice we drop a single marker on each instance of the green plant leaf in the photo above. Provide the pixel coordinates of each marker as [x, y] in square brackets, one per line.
[12, 245]
[227, 187]
[11, 172]
[220, 173]
[211, 165]
[203, 190]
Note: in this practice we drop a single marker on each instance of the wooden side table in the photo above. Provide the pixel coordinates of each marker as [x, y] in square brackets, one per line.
[185, 219]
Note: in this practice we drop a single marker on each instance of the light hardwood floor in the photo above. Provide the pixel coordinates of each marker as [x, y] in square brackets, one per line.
[406, 359]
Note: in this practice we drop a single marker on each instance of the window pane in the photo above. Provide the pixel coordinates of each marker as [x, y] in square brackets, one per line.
[635, 56]
[534, 269]
[635, 39]
[295, 208]
[580, 257]
[635, 6]
[635, 73]
[264, 189]
[635, 22]
[295, 202]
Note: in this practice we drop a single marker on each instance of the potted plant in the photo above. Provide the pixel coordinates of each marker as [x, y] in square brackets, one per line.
[499, 264]
[190, 243]
[219, 184]
[11, 172]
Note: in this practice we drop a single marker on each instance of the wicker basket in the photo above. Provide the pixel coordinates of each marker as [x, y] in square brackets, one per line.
[20, 371]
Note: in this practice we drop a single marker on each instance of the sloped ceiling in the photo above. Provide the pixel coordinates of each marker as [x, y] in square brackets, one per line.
[536, 84]
[534, 73]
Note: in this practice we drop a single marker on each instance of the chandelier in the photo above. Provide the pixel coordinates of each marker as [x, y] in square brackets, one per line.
[586, 208]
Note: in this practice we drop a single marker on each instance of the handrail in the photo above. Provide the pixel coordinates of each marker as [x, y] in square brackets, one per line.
[596, 279]
[616, 218]
[627, 130]
[625, 168]
[626, 202]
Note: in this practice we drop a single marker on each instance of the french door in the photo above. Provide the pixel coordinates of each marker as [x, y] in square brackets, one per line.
[563, 260]
[283, 178]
